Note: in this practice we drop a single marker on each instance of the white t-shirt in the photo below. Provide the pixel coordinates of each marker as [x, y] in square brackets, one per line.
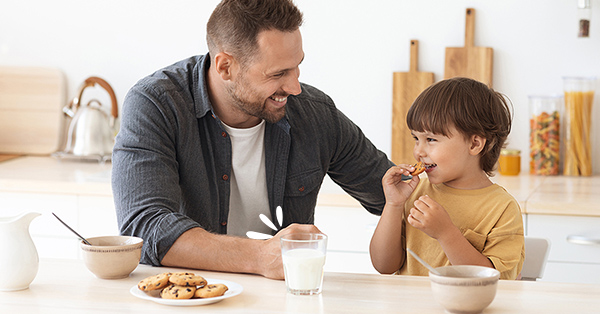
[248, 183]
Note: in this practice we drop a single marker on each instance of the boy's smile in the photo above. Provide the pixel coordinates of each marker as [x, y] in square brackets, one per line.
[452, 160]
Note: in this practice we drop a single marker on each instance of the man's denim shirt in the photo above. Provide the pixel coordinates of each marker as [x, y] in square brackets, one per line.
[172, 159]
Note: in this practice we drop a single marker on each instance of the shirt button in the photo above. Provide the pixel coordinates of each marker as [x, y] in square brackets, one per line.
[223, 134]
[224, 223]
[225, 177]
[301, 189]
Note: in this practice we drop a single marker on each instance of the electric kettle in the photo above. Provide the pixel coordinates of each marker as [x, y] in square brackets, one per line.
[92, 129]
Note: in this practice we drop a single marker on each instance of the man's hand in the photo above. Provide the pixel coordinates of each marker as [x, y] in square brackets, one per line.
[271, 250]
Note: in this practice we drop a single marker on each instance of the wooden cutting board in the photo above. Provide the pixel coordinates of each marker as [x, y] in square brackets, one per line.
[406, 87]
[31, 101]
[470, 61]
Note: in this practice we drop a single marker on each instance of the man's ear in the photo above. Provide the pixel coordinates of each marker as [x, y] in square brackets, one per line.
[224, 64]
[477, 144]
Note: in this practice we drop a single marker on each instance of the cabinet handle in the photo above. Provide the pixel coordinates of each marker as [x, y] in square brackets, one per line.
[576, 239]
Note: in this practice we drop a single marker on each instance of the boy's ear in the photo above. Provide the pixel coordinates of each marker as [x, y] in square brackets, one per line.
[477, 144]
[224, 64]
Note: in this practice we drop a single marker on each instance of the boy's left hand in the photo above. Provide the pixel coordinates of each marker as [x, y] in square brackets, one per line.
[430, 217]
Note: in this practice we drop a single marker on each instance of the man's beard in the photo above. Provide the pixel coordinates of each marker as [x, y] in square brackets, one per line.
[248, 102]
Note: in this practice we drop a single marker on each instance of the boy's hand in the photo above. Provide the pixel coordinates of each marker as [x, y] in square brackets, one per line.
[430, 217]
[396, 191]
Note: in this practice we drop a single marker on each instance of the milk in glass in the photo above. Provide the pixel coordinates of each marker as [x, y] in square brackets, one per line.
[303, 269]
[303, 256]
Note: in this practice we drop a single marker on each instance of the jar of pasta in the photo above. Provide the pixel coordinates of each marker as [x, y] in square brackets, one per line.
[579, 97]
[544, 134]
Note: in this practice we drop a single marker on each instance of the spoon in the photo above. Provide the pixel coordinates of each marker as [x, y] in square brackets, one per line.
[423, 262]
[75, 232]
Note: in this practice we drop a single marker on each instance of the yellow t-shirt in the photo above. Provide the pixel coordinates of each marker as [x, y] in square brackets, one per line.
[489, 218]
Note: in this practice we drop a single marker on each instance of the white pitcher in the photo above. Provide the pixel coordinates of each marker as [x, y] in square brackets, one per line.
[18, 256]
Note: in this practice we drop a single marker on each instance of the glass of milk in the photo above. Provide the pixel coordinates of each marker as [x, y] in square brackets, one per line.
[303, 257]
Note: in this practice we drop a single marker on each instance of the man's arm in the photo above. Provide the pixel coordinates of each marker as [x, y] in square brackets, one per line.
[200, 249]
[357, 165]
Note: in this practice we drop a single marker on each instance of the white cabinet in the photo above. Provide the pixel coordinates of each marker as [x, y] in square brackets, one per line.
[88, 215]
[97, 215]
[569, 260]
[349, 231]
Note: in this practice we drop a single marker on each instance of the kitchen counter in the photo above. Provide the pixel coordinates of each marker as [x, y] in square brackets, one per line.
[34, 174]
[551, 195]
[79, 192]
[66, 286]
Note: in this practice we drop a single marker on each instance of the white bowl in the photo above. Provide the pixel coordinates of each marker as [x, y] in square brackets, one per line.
[464, 288]
[112, 257]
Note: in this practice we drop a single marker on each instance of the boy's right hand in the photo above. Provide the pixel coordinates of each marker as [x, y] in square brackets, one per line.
[398, 191]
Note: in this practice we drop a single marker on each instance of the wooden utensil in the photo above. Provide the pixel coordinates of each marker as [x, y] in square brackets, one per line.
[470, 61]
[406, 87]
[31, 100]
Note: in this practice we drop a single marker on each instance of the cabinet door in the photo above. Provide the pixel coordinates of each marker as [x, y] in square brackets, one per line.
[572, 272]
[51, 238]
[569, 260]
[349, 231]
[97, 215]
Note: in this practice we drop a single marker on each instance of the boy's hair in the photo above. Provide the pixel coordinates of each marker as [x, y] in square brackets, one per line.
[234, 25]
[471, 107]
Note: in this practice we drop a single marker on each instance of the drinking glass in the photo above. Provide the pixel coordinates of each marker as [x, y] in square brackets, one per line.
[579, 97]
[303, 257]
[544, 134]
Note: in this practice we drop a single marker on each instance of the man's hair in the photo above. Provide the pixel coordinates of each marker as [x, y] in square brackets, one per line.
[471, 107]
[235, 24]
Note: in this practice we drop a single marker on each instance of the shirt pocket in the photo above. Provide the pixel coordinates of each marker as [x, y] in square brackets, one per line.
[303, 183]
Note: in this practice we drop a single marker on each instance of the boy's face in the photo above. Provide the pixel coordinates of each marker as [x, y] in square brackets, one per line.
[452, 160]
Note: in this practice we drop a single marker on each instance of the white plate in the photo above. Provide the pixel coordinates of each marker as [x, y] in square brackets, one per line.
[234, 289]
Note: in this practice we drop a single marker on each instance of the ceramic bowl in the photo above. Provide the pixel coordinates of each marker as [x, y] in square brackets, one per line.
[464, 288]
[112, 257]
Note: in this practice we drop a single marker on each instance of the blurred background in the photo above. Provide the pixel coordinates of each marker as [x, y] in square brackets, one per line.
[352, 47]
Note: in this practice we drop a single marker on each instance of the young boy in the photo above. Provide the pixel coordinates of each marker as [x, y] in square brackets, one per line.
[455, 216]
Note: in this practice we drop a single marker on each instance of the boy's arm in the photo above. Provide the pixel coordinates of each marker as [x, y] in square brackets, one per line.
[431, 218]
[387, 252]
[460, 251]
[386, 249]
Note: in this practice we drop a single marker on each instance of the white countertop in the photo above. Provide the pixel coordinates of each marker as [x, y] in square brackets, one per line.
[556, 195]
[57, 176]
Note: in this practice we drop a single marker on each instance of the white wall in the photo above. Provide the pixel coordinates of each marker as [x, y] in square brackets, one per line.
[352, 46]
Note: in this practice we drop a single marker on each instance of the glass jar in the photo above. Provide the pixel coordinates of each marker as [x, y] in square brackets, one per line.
[579, 97]
[510, 162]
[584, 12]
[544, 134]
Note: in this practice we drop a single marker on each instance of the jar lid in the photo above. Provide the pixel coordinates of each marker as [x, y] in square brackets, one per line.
[510, 151]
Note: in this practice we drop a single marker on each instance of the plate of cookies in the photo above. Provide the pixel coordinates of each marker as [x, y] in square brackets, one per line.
[184, 289]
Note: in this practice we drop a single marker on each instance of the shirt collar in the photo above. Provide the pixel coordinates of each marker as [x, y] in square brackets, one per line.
[203, 106]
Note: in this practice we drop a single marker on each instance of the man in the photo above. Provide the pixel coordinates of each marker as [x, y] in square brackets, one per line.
[209, 143]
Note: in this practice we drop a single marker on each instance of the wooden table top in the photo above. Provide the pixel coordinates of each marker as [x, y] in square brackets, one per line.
[66, 286]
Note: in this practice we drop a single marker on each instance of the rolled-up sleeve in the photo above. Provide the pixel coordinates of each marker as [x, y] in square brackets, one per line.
[145, 176]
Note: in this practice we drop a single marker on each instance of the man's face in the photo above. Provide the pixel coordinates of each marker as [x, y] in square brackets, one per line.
[261, 90]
